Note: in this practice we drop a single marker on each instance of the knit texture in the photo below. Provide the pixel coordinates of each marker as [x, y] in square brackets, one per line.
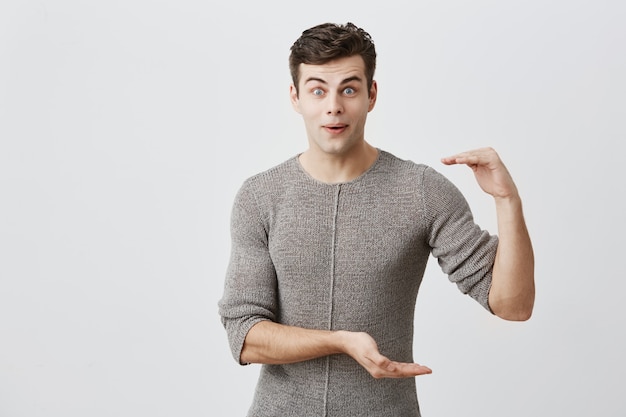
[347, 256]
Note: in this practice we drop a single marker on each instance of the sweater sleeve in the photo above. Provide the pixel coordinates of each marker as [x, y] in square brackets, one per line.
[464, 251]
[250, 285]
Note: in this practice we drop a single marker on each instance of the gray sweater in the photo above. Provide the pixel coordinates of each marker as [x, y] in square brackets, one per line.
[347, 256]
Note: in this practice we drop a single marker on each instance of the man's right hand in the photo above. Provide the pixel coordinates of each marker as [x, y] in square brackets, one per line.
[363, 349]
[275, 343]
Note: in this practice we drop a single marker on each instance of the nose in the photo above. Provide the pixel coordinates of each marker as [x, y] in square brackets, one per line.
[335, 105]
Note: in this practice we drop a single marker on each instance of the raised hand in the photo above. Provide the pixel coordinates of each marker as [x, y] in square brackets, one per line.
[489, 170]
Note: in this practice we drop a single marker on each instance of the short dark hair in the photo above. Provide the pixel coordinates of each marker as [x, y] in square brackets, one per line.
[329, 41]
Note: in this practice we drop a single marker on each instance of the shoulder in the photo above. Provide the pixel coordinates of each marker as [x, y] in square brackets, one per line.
[426, 183]
[261, 189]
[408, 170]
[272, 176]
[271, 180]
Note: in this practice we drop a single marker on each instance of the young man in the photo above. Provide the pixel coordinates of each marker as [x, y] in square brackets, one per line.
[329, 249]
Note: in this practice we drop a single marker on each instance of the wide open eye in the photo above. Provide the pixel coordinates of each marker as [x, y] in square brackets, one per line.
[318, 92]
[349, 91]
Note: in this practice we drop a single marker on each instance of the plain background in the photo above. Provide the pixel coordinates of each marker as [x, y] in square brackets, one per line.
[126, 127]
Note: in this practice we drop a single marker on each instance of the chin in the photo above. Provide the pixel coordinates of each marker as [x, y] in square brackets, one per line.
[337, 146]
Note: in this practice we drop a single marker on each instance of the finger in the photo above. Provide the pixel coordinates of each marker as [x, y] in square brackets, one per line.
[480, 156]
[449, 160]
[470, 162]
[406, 370]
[460, 158]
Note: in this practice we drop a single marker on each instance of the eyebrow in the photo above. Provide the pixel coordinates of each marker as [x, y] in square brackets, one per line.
[345, 81]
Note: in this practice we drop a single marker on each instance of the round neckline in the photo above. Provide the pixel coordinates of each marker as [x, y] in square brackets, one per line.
[335, 184]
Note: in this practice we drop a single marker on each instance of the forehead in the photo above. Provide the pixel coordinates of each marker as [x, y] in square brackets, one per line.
[334, 71]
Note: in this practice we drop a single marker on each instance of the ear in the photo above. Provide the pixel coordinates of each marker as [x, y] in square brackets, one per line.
[293, 95]
[373, 95]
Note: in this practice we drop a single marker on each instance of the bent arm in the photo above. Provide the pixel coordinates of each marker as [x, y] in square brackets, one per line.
[273, 343]
[512, 293]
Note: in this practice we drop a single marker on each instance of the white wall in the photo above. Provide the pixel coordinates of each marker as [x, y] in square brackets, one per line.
[126, 127]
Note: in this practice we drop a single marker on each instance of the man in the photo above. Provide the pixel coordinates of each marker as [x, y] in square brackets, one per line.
[329, 249]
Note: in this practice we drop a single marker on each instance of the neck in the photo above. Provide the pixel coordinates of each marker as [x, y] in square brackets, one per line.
[338, 168]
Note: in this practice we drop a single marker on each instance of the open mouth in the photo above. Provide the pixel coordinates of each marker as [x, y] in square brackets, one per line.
[335, 128]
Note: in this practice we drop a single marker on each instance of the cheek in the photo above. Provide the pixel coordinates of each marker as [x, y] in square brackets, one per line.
[363, 108]
[307, 110]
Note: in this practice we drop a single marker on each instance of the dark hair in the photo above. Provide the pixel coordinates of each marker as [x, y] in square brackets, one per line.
[329, 41]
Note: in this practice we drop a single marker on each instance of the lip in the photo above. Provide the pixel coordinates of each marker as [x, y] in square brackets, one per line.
[335, 128]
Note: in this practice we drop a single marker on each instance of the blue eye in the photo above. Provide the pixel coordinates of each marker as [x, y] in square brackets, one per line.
[349, 91]
[318, 92]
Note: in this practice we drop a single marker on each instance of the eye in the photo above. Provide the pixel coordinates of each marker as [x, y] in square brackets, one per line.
[318, 92]
[349, 91]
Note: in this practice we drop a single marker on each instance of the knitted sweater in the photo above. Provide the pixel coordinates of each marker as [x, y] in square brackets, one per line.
[347, 256]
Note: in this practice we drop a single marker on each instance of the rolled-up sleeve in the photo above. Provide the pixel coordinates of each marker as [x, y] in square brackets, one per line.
[250, 285]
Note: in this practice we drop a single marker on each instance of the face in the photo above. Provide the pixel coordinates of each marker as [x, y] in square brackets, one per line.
[334, 102]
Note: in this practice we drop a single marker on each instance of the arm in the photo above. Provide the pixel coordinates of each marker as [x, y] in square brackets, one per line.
[512, 292]
[274, 343]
